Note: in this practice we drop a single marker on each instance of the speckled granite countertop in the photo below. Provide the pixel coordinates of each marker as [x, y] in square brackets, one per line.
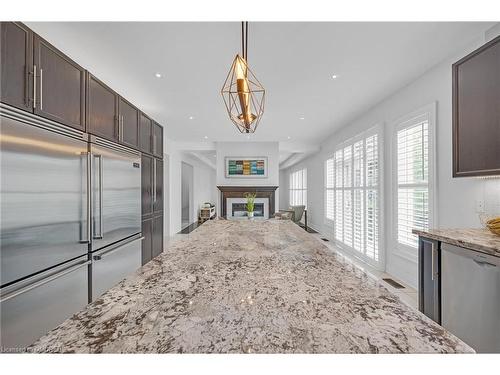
[249, 287]
[481, 240]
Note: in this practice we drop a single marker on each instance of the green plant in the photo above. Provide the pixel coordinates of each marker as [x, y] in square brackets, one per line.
[250, 201]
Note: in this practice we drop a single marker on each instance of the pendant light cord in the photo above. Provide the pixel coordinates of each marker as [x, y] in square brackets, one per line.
[244, 40]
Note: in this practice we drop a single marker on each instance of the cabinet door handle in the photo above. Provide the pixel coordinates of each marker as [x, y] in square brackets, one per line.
[154, 181]
[34, 86]
[26, 85]
[120, 128]
[41, 89]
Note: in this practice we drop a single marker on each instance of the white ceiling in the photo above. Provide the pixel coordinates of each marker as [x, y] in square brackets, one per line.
[294, 61]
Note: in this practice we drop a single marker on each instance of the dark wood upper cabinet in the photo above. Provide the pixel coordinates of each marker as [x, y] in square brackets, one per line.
[59, 85]
[158, 186]
[145, 134]
[128, 124]
[157, 140]
[16, 65]
[102, 109]
[147, 185]
[476, 112]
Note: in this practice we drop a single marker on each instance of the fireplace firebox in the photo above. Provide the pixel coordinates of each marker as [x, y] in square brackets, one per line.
[240, 210]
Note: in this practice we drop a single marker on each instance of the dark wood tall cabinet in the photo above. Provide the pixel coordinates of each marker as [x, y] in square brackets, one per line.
[157, 239]
[16, 65]
[476, 112]
[147, 242]
[147, 185]
[158, 186]
[60, 85]
[152, 207]
[429, 285]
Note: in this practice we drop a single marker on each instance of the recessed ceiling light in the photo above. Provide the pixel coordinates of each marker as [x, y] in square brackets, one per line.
[158, 75]
[301, 118]
[191, 117]
[206, 137]
[288, 137]
[334, 76]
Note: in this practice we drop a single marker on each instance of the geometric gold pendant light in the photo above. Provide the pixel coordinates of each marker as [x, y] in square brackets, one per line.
[243, 94]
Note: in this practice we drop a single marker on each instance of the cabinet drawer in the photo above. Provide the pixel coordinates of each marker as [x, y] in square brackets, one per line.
[112, 265]
[35, 308]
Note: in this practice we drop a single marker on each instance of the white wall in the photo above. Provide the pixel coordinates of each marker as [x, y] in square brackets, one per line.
[203, 186]
[249, 149]
[456, 198]
[284, 196]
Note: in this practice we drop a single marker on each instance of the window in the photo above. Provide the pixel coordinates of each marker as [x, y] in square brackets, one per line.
[298, 188]
[352, 194]
[412, 179]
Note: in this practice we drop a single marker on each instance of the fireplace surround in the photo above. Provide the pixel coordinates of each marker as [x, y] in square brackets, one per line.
[239, 192]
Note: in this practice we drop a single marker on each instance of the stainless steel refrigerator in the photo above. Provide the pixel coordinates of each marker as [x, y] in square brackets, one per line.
[69, 225]
[116, 213]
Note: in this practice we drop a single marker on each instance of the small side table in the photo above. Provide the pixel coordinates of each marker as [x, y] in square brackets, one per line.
[207, 213]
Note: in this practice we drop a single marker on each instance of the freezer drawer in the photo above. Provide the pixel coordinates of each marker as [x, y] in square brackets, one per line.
[116, 193]
[113, 263]
[470, 295]
[31, 308]
[44, 195]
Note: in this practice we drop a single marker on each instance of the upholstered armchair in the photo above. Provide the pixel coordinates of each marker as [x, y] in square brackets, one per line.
[294, 213]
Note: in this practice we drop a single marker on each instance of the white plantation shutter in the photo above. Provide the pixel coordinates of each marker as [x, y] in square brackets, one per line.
[412, 209]
[371, 197]
[354, 170]
[339, 206]
[329, 190]
[348, 195]
[298, 188]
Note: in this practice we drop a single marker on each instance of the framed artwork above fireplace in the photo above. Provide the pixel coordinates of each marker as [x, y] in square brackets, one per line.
[246, 167]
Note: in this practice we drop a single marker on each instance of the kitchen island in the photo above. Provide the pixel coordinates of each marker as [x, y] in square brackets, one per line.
[249, 287]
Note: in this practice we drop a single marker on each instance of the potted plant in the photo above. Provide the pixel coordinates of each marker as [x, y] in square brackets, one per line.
[250, 203]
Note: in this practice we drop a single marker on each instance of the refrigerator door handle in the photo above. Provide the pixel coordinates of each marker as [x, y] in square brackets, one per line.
[99, 235]
[86, 201]
[39, 283]
[119, 247]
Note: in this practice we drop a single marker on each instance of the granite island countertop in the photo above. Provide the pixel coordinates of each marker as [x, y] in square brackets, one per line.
[249, 287]
[481, 240]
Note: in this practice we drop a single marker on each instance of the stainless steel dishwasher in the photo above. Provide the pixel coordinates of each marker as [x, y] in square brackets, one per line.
[470, 296]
